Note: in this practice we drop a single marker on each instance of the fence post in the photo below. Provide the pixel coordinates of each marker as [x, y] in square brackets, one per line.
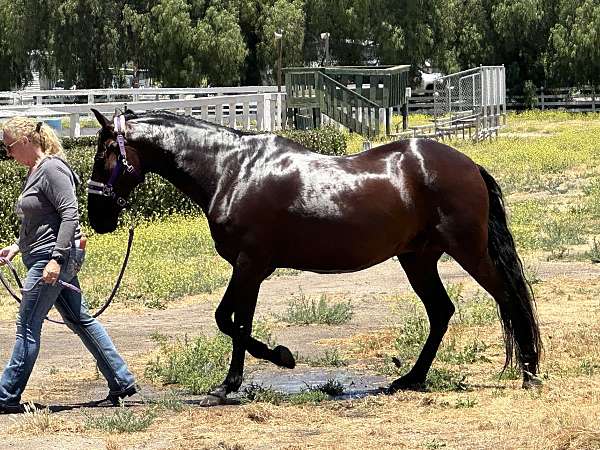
[593, 98]
[232, 113]
[75, 126]
[260, 112]
[543, 97]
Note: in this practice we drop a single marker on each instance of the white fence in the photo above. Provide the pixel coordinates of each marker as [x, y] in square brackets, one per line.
[262, 109]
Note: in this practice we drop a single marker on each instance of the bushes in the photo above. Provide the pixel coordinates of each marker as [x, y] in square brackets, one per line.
[325, 140]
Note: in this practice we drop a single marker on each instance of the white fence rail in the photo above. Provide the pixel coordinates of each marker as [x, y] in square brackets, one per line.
[60, 96]
[260, 111]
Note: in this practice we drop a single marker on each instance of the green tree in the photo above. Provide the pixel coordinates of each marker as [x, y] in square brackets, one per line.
[573, 55]
[285, 17]
[86, 41]
[14, 47]
[219, 38]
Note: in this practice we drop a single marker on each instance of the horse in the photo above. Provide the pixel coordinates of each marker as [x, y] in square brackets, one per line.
[272, 203]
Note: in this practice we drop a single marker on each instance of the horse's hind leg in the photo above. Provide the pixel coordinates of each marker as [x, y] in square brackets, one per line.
[521, 333]
[422, 273]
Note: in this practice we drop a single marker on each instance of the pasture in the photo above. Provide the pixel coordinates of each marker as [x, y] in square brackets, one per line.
[345, 329]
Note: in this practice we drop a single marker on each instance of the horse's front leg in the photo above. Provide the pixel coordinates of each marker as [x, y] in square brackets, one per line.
[239, 301]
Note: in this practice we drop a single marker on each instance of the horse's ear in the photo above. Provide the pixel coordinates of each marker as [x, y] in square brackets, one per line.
[102, 120]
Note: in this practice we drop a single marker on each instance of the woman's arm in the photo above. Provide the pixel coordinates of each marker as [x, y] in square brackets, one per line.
[60, 191]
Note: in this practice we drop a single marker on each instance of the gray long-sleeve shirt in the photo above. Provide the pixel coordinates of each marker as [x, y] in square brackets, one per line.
[48, 209]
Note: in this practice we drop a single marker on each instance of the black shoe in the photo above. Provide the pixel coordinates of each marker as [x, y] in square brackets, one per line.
[115, 399]
[19, 408]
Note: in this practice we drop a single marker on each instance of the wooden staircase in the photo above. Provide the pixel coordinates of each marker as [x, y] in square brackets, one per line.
[359, 98]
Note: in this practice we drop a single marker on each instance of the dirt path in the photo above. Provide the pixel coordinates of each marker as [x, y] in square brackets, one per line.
[373, 293]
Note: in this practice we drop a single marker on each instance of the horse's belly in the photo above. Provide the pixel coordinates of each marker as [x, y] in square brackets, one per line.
[329, 248]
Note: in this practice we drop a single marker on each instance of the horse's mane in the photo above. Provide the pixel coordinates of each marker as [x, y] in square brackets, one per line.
[167, 118]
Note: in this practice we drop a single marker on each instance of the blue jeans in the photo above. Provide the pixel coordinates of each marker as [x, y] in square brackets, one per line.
[38, 299]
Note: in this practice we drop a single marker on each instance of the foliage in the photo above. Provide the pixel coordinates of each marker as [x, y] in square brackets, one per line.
[325, 140]
[331, 358]
[304, 311]
[123, 420]
[194, 43]
[197, 365]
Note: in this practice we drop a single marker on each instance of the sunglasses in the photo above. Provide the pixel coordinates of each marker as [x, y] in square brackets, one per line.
[10, 146]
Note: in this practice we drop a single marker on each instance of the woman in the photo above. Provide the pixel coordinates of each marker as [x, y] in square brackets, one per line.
[50, 241]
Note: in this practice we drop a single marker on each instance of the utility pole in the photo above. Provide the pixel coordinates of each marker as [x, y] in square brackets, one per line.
[325, 37]
[279, 39]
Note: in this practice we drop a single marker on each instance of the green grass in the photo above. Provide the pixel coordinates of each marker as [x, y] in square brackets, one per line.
[331, 358]
[304, 311]
[197, 364]
[123, 420]
[170, 259]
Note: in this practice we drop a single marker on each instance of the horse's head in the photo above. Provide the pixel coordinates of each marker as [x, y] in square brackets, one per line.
[116, 172]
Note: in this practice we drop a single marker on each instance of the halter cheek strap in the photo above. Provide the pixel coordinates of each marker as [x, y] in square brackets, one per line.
[107, 190]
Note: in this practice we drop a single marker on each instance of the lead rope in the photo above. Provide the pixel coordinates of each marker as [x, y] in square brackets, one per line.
[108, 301]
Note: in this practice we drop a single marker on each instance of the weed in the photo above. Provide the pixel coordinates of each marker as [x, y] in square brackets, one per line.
[434, 444]
[588, 367]
[169, 401]
[594, 252]
[532, 273]
[198, 364]
[123, 420]
[510, 373]
[331, 358]
[310, 396]
[304, 311]
[34, 420]
[412, 335]
[332, 387]
[558, 235]
[445, 380]
[478, 310]
[469, 354]
[455, 292]
[465, 403]
[263, 331]
[260, 394]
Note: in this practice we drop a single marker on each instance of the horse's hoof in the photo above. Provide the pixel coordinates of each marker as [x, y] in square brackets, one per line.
[405, 384]
[283, 357]
[532, 383]
[212, 400]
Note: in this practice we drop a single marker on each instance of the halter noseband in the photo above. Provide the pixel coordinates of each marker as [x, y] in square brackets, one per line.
[107, 190]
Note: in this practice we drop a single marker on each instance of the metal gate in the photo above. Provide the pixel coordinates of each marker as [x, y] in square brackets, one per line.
[473, 99]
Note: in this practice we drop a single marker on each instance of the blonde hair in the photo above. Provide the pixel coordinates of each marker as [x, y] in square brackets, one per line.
[39, 133]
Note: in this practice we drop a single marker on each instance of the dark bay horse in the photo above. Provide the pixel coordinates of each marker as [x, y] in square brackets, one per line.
[272, 203]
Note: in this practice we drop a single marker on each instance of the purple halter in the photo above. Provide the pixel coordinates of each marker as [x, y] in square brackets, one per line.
[107, 190]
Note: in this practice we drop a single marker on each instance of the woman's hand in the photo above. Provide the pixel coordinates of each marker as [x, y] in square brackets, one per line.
[51, 272]
[8, 253]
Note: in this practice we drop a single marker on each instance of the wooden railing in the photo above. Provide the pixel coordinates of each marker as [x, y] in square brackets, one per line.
[347, 107]
[359, 98]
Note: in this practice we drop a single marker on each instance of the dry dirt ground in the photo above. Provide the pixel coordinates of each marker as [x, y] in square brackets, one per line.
[564, 413]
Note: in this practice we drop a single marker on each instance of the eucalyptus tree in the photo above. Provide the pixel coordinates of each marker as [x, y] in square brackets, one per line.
[14, 58]
[573, 56]
[86, 40]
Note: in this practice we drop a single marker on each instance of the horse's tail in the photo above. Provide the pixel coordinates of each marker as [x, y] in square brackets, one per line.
[518, 315]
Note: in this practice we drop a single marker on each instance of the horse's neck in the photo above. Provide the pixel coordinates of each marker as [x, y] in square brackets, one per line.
[196, 169]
